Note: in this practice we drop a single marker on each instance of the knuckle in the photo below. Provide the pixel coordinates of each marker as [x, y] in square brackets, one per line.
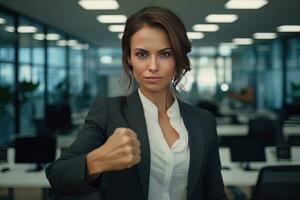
[129, 149]
[130, 158]
[126, 139]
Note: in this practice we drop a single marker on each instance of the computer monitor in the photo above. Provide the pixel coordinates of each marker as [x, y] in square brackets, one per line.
[245, 150]
[268, 131]
[3, 154]
[38, 150]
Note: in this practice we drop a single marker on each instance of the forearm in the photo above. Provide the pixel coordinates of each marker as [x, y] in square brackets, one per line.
[69, 177]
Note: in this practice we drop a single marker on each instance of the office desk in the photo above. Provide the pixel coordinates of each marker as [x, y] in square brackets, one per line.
[17, 177]
[239, 177]
[242, 129]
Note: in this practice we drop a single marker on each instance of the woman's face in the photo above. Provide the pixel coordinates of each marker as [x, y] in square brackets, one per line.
[152, 59]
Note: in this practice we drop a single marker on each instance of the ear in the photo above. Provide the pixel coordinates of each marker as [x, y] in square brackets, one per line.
[129, 60]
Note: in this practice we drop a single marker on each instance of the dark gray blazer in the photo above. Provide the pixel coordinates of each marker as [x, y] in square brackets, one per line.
[68, 174]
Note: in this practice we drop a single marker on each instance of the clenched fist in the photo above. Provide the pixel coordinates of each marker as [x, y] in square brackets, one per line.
[120, 151]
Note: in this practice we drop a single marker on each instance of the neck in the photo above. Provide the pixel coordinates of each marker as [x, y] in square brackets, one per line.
[162, 99]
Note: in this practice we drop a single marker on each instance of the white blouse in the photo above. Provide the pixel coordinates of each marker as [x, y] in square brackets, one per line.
[168, 165]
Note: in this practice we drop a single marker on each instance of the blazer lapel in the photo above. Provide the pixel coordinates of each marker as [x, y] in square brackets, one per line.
[195, 131]
[137, 122]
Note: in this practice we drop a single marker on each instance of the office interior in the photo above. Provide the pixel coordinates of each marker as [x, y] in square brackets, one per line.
[57, 56]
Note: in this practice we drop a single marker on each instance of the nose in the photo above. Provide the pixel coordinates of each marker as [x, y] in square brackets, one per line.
[153, 64]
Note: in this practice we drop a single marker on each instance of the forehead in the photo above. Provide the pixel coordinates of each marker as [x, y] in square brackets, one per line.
[150, 38]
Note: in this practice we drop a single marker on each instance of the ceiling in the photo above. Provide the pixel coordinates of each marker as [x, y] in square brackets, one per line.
[68, 16]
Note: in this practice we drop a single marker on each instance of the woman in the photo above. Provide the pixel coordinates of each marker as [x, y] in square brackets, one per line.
[148, 145]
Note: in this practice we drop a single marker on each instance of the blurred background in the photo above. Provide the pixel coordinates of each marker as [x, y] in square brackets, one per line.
[57, 56]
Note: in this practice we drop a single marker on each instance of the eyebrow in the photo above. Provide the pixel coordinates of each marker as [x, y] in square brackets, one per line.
[140, 49]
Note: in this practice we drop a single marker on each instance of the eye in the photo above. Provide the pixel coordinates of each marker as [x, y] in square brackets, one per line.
[141, 54]
[165, 54]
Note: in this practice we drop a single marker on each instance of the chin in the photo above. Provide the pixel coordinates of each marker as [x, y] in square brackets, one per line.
[154, 88]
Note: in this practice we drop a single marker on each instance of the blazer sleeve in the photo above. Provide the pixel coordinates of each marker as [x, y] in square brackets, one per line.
[68, 174]
[213, 185]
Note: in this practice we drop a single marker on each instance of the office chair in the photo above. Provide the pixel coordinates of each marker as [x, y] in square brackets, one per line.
[277, 183]
[294, 140]
[268, 131]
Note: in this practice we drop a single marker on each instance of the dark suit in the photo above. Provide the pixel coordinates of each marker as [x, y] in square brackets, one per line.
[68, 175]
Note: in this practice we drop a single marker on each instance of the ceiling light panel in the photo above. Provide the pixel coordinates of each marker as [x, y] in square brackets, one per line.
[242, 41]
[206, 27]
[120, 36]
[221, 18]
[264, 36]
[2, 21]
[195, 35]
[116, 28]
[112, 18]
[245, 4]
[27, 29]
[289, 28]
[99, 4]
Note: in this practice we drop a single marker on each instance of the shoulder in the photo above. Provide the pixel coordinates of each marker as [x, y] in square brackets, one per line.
[103, 108]
[201, 113]
[101, 101]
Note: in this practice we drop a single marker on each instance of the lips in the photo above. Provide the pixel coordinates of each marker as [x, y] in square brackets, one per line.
[152, 79]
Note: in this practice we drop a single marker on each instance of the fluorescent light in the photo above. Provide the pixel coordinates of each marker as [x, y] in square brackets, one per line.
[62, 43]
[120, 36]
[245, 4]
[39, 36]
[21, 29]
[99, 4]
[27, 29]
[2, 21]
[10, 29]
[242, 41]
[112, 18]
[52, 36]
[229, 44]
[195, 35]
[206, 27]
[106, 59]
[221, 18]
[264, 36]
[116, 28]
[49, 36]
[289, 28]
[72, 42]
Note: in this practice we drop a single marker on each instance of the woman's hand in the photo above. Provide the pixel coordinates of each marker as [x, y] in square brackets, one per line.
[120, 151]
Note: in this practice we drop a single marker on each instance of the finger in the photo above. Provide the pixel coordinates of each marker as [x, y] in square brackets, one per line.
[136, 151]
[135, 143]
[131, 132]
[137, 160]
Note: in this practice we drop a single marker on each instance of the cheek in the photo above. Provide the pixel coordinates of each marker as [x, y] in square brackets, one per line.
[138, 66]
[137, 71]
[172, 68]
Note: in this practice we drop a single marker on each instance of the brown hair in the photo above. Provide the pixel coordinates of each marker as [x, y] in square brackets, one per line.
[175, 29]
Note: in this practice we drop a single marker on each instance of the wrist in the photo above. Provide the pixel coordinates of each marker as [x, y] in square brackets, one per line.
[93, 167]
